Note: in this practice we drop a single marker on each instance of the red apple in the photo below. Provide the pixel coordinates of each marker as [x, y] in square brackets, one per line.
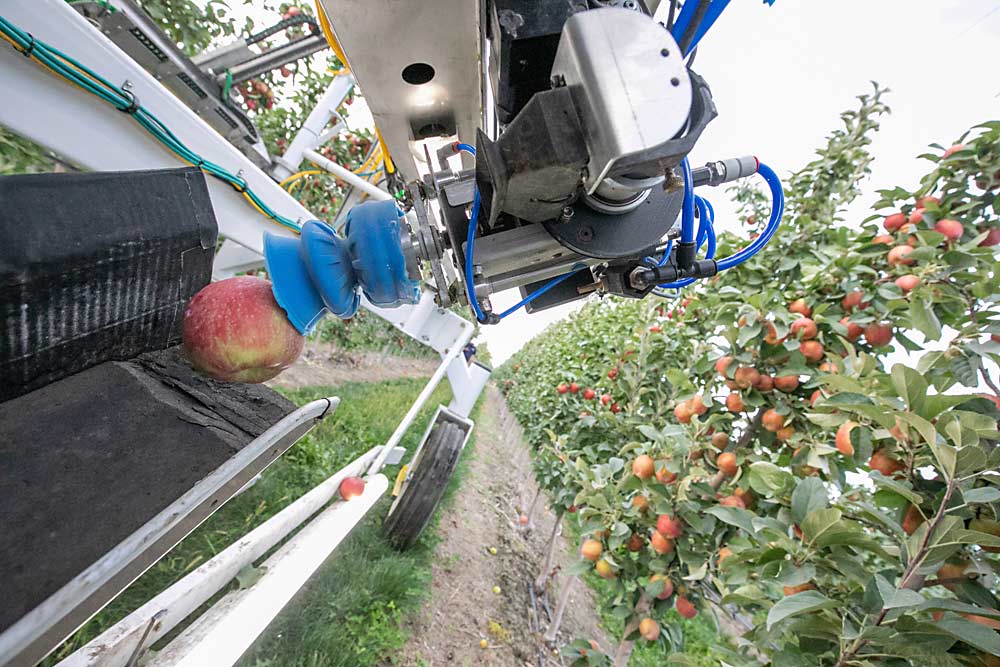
[952, 229]
[992, 238]
[907, 282]
[900, 255]
[894, 222]
[878, 335]
[235, 331]
[351, 487]
[854, 331]
[952, 150]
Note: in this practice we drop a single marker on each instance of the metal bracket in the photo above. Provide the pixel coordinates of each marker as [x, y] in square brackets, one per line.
[139, 646]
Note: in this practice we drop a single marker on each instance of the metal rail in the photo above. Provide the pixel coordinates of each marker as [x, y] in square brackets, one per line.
[167, 610]
[226, 631]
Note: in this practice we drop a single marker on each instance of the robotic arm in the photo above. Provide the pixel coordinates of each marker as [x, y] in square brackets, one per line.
[581, 185]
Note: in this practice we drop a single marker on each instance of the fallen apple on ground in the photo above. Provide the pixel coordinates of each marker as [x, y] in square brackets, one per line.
[234, 331]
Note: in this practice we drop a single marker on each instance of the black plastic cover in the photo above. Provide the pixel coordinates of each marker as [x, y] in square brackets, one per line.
[524, 36]
[97, 267]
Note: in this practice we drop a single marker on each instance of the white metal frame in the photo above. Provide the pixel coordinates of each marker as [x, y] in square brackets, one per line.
[159, 616]
[86, 131]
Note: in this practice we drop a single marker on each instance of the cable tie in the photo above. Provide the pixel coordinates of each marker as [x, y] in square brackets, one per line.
[28, 52]
[133, 106]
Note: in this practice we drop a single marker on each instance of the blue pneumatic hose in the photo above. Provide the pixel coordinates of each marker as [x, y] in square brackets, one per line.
[777, 210]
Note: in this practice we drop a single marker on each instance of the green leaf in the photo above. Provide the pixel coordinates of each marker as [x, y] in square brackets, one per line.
[918, 651]
[903, 489]
[250, 575]
[984, 494]
[768, 479]
[975, 635]
[818, 522]
[746, 595]
[977, 537]
[966, 369]
[810, 494]
[895, 598]
[911, 386]
[650, 432]
[928, 361]
[789, 574]
[938, 403]
[923, 318]
[948, 604]
[734, 516]
[945, 455]
[800, 603]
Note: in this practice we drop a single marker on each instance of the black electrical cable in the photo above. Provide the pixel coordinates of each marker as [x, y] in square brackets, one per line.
[692, 27]
[670, 15]
[690, 60]
[284, 24]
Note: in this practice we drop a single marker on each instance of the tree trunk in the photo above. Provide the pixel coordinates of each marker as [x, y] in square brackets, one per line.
[624, 650]
[531, 511]
[543, 576]
[553, 631]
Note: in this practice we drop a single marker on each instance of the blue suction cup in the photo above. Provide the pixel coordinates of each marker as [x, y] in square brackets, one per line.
[292, 286]
[373, 239]
[329, 264]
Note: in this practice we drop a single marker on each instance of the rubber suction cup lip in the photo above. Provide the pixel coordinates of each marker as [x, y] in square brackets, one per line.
[329, 264]
[292, 286]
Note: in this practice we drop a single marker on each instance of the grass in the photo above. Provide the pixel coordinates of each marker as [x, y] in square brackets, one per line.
[346, 615]
[350, 616]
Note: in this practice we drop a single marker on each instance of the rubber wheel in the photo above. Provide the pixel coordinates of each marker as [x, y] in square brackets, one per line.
[419, 497]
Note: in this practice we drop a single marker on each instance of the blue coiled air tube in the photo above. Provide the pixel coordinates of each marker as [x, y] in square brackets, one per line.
[777, 210]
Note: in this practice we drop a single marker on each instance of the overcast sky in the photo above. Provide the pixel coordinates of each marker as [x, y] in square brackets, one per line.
[781, 75]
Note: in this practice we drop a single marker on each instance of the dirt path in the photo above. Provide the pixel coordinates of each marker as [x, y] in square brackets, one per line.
[462, 608]
[322, 364]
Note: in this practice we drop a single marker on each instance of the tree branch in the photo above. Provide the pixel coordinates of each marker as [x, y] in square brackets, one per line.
[909, 574]
[987, 379]
[751, 429]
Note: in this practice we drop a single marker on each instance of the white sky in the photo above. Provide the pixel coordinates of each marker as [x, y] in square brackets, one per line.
[781, 75]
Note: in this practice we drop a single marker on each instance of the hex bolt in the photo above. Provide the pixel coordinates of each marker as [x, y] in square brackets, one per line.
[566, 215]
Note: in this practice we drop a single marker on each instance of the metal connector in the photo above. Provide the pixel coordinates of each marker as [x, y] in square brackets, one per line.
[725, 171]
[642, 278]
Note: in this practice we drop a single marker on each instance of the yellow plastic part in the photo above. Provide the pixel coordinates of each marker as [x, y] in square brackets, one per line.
[331, 39]
[400, 478]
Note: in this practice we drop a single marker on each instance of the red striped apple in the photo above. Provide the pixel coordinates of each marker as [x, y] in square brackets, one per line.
[234, 331]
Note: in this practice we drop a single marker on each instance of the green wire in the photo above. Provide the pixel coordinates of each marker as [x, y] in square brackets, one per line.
[103, 3]
[122, 100]
[228, 85]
